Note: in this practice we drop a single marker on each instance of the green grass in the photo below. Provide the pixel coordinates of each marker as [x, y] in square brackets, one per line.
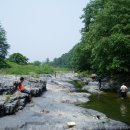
[27, 69]
[78, 84]
[31, 69]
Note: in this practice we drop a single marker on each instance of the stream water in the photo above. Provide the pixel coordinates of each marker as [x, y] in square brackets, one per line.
[112, 105]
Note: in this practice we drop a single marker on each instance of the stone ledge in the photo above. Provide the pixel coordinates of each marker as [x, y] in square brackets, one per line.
[12, 100]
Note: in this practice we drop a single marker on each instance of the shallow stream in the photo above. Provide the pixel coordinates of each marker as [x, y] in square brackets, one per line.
[112, 105]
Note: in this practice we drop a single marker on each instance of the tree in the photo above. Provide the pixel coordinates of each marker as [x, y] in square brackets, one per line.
[37, 63]
[106, 34]
[3, 47]
[111, 51]
[81, 57]
[47, 60]
[18, 58]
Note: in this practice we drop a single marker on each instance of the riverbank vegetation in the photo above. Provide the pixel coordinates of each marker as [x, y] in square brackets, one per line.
[30, 68]
[78, 84]
[27, 69]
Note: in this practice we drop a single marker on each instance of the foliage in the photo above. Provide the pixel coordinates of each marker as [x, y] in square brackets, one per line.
[18, 58]
[109, 36]
[37, 63]
[3, 48]
[3, 43]
[27, 69]
[80, 58]
[3, 63]
[63, 61]
[77, 83]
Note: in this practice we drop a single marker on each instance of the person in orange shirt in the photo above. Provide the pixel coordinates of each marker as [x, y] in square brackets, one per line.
[23, 89]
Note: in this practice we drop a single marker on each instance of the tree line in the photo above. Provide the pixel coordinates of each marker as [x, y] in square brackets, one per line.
[104, 47]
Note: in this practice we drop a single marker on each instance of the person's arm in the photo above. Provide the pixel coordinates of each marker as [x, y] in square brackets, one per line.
[18, 86]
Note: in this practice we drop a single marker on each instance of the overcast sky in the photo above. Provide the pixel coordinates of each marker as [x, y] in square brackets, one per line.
[41, 29]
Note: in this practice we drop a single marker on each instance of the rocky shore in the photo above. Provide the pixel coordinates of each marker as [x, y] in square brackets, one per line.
[12, 100]
[56, 109]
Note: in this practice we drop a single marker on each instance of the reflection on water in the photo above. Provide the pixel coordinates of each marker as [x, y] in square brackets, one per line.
[123, 109]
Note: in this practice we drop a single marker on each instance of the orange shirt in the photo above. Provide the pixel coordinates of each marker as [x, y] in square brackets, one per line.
[21, 87]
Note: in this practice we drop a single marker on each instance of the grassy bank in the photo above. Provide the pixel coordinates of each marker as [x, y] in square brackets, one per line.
[27, 69]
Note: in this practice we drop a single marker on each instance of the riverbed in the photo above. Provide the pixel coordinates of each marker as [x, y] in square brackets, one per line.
[57, 107]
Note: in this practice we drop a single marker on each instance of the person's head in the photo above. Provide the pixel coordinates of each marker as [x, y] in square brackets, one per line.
[21, 79]
[123, 83]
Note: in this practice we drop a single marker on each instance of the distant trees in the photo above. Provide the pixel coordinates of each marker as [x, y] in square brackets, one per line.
[47, 60]
[18, 58]
[37, 63]
[63, 61]
[3, 47]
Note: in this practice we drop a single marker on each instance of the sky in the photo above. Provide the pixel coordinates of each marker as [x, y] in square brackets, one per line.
[40, 29]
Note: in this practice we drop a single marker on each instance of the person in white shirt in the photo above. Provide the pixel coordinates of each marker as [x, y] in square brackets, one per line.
[123, 90]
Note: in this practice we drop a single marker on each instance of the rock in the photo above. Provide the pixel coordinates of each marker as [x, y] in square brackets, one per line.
[128, 94]
[12, 100]
[71, 124]
[2, 110]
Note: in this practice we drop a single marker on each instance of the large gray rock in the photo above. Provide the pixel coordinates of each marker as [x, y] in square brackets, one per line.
[12, 100]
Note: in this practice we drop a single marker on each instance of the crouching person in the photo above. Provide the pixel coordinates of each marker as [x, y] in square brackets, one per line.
[23, 89]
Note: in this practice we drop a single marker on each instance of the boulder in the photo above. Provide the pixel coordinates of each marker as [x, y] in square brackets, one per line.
[12, 100]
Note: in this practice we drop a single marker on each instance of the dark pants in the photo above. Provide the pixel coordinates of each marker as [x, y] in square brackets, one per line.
[123, 94]
[26, 91]
[29, 97]
[99, 83]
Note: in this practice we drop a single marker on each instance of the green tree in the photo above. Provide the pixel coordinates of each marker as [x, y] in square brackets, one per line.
[111, 51]
[37, 63]
[80, 57]
[18, 58]
[3, 47]
[63, 61]
[106, 33]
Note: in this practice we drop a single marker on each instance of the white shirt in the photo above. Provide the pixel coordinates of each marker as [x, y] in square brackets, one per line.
[123, 88]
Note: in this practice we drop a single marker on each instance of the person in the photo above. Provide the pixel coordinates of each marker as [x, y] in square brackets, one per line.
[99, 82]
[23, 89]
[123, 90]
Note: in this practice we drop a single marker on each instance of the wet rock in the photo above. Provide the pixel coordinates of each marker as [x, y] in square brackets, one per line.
[92, 87]
[10, 108]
